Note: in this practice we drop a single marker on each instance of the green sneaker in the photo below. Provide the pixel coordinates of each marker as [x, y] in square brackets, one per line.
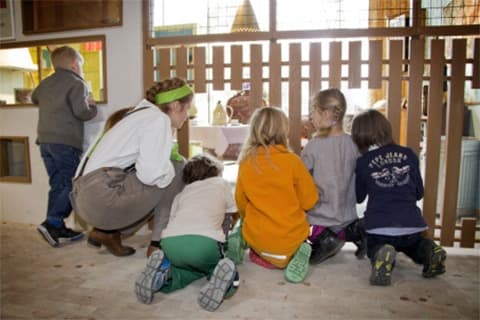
[236, 245]
[383, 266]
[435, 264]
[297, 269]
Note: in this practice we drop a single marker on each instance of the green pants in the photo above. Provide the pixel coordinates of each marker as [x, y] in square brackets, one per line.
[192, 257]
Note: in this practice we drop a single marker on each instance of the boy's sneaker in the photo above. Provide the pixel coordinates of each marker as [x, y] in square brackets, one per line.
[236, 245]
[297, 269]
[58, 236]
[435, 264]
[213, 293]
[153, 277]
[234, 287]
[383, 266]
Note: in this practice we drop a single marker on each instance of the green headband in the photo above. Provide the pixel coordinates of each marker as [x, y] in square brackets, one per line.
[173, 95]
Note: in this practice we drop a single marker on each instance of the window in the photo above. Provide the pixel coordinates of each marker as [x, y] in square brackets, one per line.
[24, 65]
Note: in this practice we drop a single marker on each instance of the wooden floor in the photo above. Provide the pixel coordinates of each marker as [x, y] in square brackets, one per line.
[78, 282]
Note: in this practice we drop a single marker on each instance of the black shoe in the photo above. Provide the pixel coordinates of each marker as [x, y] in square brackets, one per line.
[435, 264]
[325, 246]
[355, 232]
[57, 236]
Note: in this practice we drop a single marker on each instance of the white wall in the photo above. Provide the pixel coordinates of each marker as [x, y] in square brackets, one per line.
[27, 202]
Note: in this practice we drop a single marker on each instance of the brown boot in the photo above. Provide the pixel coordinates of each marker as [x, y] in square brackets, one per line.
[111, 241]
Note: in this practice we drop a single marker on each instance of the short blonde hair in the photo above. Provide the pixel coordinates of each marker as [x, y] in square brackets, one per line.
[268, 126]
[63, 57]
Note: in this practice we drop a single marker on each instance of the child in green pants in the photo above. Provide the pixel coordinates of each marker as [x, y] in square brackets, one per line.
[192, 242]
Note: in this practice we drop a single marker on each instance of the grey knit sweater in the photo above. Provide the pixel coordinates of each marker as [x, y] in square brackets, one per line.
[62, 99]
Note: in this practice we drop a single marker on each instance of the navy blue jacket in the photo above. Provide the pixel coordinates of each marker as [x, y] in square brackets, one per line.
[390, 177]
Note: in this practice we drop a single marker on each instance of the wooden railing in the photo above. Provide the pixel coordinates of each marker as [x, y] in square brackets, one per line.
[426, 65]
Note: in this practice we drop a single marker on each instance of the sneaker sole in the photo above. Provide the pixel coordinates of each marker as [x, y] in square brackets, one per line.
[383, 266]
[437, 264]
[297, 269]
[72, 239]
[144, 284]
[46, 235]
[213, 293]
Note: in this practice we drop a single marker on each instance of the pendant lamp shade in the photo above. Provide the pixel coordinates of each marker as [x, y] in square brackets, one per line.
[245, 20]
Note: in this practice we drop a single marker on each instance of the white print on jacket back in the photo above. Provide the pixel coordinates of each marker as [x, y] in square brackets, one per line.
[396, 177]
[386, 177]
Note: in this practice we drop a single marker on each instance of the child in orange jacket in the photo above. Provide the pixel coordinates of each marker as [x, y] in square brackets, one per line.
[273, 191]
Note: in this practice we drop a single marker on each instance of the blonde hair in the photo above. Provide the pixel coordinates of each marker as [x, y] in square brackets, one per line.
[268, 126]
[333, 100]
[63, 57]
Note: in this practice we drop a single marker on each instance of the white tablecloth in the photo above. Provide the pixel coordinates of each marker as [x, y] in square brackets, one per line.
[219, 138]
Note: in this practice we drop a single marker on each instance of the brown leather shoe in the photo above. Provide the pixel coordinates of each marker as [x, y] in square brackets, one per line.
[111, 241]
[151, 249]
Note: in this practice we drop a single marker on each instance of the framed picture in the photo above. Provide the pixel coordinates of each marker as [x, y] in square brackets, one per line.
[7, 24]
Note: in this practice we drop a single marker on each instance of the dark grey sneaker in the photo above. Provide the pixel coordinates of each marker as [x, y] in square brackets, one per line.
[326, 245]
[213, 293]
[383, 266]
[58, 236]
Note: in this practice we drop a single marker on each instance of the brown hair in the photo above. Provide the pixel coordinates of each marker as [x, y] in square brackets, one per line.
[116, 117]
[371, 128]
[63, 57]
[333, 100]
[201, 167]
[268, 126]
[167, 85]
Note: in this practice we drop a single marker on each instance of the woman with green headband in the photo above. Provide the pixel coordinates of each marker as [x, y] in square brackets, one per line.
[133, 171]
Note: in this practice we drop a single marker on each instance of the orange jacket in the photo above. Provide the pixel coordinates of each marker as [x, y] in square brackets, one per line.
[273, 192]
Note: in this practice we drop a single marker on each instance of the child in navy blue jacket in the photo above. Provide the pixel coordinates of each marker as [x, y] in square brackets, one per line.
[389, 175]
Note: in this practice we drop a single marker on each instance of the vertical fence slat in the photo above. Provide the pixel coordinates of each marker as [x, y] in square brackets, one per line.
[335, 65]
[148, 67]
[414, 109]
[476, 64]
[394, 91]
[434, 125]
[375, 64]
[181, 66]
[354, 64]
[455, 114]
[315, 67]
[217, 66]
[199, 69]
[164, 63]
[467, 236]
[294, 96]
[183, 138]
[275, 75]
[256, 83]
[181, 72]
[236, 60]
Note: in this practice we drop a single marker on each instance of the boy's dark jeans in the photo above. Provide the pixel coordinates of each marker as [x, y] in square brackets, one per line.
[61, 162]
[413, 245]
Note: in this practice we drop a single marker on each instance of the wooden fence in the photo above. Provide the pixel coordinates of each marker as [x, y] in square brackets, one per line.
[426, 65]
